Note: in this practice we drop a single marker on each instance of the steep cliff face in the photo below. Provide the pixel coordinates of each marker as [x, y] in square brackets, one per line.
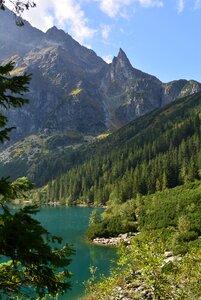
[74, 89]
[128, 92]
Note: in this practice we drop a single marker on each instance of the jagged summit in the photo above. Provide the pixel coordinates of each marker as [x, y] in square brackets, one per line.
[56, 34]
[121, 66]
[74, 89]
[122, 55]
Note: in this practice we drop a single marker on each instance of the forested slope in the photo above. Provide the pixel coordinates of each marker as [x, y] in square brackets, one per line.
[157, 151]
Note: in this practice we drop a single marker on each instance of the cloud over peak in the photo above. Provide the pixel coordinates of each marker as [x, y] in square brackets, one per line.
[62, 13]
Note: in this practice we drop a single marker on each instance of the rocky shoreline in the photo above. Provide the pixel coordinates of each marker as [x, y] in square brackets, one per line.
[134, 287]
[113, 241]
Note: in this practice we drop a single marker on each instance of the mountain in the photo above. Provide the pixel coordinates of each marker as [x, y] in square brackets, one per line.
[157, 151]
[161, 148]
[74, 89]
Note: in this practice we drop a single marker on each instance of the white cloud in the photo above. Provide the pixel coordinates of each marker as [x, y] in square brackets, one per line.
[69, 12]
[105, 32]
[63, 14]
[107, 58]
[40, 16]
[180, 6]
[197, 4]
[149, 3]
[114, 7]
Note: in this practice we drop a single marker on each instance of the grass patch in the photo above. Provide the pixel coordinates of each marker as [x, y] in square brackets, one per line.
[103, 136]
[17, 71]
[75, 92]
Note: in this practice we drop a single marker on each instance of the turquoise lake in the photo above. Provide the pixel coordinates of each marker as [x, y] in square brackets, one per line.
[70, 223]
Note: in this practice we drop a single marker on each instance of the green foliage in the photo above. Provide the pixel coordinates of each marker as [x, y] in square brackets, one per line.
[116, 219]
[144, 272]
[95, 218]
[32, 262]
[181, 241]
[158, 151]
[110, 227]
[179, 207]
[177, 212]
[8, 87]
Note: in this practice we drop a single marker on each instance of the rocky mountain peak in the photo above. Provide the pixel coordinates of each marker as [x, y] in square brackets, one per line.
[121, 61]
[74, 89]
[122, 56]
[56, 34]
[120, 68]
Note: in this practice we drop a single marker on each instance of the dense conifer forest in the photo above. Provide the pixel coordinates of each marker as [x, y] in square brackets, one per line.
[157, 151]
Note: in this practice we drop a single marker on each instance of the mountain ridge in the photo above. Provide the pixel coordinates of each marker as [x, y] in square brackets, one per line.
[164, 137]
[74, 89]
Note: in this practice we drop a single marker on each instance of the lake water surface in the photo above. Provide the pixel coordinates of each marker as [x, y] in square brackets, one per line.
[70, 223]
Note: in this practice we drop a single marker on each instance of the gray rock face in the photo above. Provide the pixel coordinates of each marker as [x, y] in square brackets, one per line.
[177, 89]
[128, 92]
[74, 89]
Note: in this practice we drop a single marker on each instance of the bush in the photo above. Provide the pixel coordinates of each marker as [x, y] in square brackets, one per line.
[142, 273]
[110, 227]
[180, 244]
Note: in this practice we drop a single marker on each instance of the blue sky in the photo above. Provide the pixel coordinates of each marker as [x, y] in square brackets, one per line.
[160, 37]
